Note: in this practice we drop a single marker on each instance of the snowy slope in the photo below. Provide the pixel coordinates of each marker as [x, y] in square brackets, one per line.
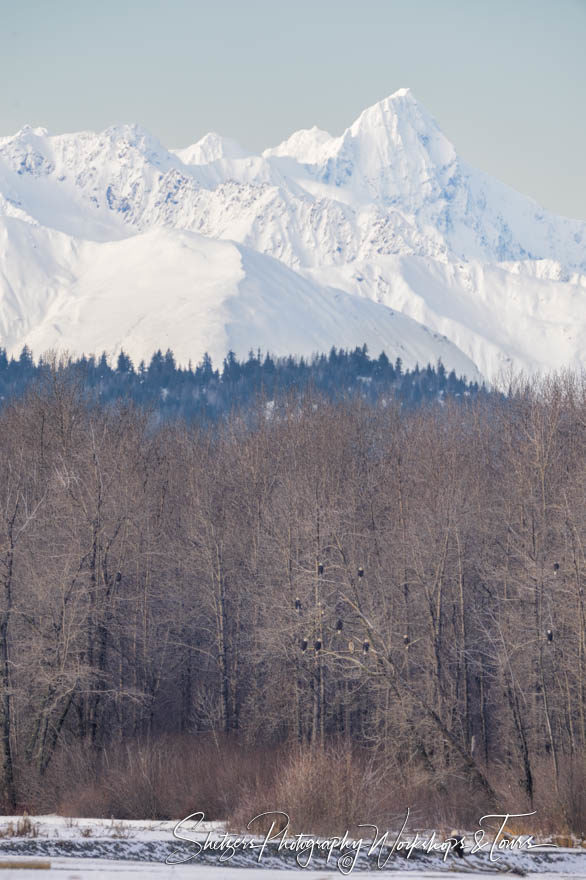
[169, 288]
[387, 212]
[501, 315]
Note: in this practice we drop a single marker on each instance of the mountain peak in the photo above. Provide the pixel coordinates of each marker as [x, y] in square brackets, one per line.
[134, 135]
[37, 131]
[401, 97]
[305, 145]
[393, 151]
[396, 111]
[401, 93]
[210, 148]
[26, 134]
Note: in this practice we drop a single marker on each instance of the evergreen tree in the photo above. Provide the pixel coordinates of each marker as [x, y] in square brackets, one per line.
[124, 364]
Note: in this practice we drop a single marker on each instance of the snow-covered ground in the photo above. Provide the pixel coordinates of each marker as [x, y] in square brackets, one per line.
[99, 847]
[96, 869]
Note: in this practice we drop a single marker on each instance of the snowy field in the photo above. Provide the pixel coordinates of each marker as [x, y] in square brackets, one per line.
[99, 869]
[90, 849]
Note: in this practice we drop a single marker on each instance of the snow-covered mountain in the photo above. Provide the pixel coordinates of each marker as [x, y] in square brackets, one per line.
[174, 288]
[110, 240]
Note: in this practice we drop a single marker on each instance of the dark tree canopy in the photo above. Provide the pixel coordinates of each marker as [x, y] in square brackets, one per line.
[205, 394]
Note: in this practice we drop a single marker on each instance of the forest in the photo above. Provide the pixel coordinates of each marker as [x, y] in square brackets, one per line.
[205, 394]
[338, 607]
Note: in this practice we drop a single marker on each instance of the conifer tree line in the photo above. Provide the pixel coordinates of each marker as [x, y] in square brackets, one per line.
[206, 394]
[323, 575]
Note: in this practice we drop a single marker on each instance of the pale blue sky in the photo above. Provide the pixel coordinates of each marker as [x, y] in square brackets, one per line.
[506, 79]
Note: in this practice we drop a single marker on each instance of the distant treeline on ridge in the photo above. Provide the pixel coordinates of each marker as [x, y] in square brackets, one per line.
[204, 393]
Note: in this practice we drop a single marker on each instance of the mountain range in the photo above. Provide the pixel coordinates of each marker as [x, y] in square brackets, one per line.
[382, 235]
